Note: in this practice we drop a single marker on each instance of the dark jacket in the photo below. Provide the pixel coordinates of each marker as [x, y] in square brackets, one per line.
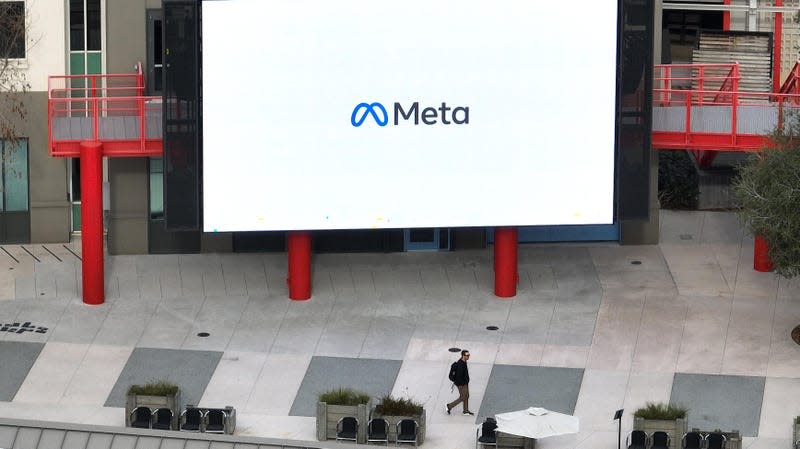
[462, 373]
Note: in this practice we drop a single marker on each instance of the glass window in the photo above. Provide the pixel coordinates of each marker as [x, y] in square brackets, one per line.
[156, 188]
[15, 175]
[76, 178]
[93, 24]
[76, 25]
[94, 63]
[12, 30]
[158, 54]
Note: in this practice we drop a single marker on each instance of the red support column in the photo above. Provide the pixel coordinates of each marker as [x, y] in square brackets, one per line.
[505, 262]
[761, 260]
[92, 222]
[299, 280]
[777, 39]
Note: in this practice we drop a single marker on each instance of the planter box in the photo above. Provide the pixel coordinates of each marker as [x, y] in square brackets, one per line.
[676, 429]
[328, 416]
[393, 420]
[153, 402]
[795, 433]
[733, 439]
[507, 441]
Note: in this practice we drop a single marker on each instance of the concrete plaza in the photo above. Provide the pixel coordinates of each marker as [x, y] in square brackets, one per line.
[595, 327]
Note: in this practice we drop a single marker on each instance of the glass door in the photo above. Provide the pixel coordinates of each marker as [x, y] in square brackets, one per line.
[426, 239]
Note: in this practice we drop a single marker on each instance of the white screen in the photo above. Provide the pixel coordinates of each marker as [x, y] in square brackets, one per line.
[281, 80]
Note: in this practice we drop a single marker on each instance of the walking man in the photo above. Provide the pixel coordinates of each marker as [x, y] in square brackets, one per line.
[459, 375]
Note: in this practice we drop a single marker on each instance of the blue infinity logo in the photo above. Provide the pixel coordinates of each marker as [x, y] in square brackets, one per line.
[358, 120]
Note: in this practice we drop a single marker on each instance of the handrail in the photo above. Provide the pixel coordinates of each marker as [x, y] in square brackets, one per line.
[700, 74]
[724, 138]
[728, 97]
[95, 97]
[731, 83]
[15, 425]
[792, 83]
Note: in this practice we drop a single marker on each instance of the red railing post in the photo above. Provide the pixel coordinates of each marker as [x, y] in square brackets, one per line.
[701, 84]
[734, 116]
[777, 42]
[726, 17]
[142, 114]
[688, 125]
[50, 126]
[95, 111]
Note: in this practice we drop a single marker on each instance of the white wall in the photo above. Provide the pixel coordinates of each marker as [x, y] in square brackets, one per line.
[46, 41]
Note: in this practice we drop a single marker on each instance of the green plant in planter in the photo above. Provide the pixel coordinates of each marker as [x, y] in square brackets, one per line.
[797, 420]
[662, 411]
[768, 191]
[391, 406]
[154, 388]
[344, 396]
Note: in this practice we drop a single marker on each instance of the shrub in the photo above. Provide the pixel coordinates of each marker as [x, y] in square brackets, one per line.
[344, 396]
[677, 180]
[768, 190]
[660, 410]
[391, 406]
[154, 388]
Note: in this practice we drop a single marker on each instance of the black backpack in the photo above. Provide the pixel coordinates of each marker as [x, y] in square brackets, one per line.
[452, 375]
[488, 427]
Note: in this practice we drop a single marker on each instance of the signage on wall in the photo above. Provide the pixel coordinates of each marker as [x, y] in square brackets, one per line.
[453, 113]
[443, 114]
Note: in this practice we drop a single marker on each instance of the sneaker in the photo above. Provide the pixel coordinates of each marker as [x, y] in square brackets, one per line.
[448, 409]
[467, 412]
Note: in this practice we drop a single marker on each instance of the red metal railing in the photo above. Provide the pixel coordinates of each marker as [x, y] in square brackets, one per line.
[109, 108]
[792, 83]
[682, 77]
[720, 118]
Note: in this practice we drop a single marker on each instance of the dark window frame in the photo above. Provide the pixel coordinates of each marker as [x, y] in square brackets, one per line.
[13, 45]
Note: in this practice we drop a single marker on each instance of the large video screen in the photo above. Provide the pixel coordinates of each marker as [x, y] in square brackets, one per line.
[358, 114]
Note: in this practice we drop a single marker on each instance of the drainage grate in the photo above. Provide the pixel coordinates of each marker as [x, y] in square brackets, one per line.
[454, 349]
[492, 328]
[686, 237]
[636, 262]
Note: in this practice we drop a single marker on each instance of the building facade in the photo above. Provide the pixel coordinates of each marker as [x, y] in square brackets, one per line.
[41, 202]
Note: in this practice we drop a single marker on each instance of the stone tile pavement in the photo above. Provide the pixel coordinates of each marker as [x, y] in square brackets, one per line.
[630, 324]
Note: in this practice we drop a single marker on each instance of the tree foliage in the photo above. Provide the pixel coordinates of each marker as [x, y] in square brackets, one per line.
[13, 78]
[768, 190]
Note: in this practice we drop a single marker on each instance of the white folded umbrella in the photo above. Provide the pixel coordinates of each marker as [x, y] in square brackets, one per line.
[536, 422]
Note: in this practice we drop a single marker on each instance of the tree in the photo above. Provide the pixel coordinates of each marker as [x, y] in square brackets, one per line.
[13, 77]
[768, 190]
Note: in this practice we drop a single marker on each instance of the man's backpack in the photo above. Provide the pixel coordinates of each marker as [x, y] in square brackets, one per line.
[452, 375]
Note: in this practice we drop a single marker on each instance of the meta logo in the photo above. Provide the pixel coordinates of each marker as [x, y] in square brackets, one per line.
[428, 116]
[376, 110]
